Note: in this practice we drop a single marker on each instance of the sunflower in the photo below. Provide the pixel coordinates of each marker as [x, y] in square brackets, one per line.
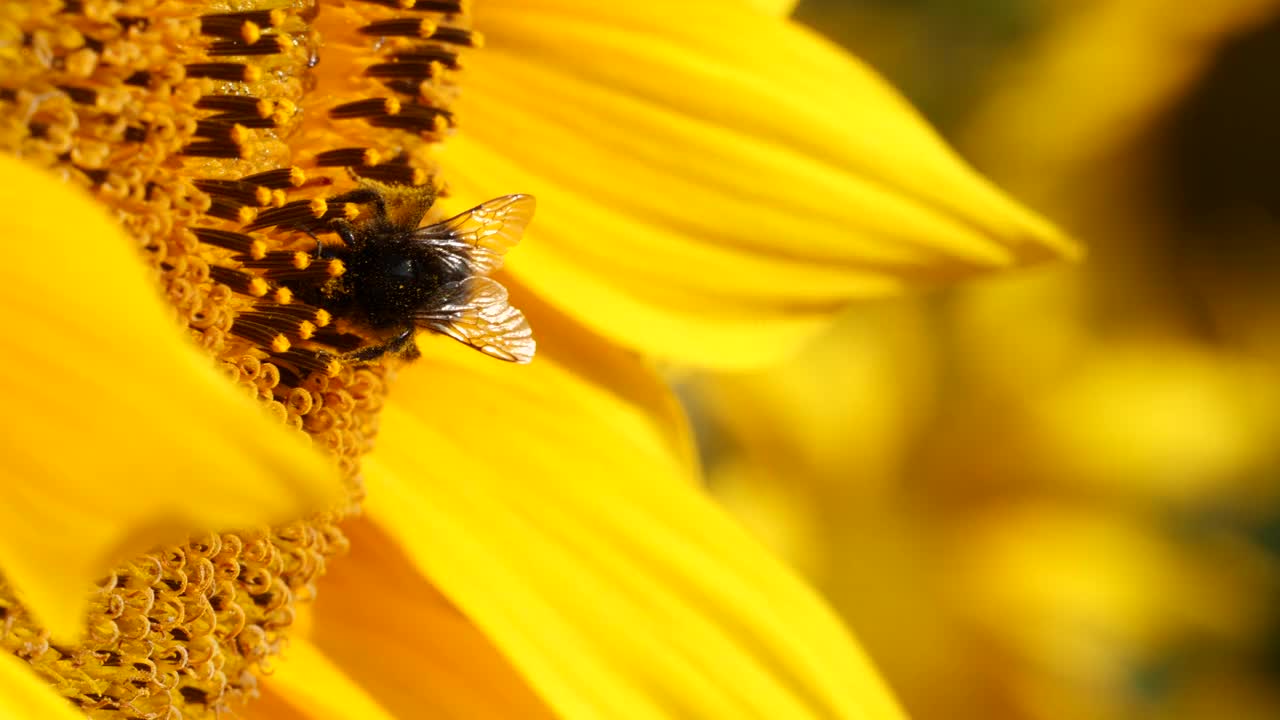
[714, 184]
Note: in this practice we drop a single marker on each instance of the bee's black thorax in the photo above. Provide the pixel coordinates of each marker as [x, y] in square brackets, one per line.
[388, 277]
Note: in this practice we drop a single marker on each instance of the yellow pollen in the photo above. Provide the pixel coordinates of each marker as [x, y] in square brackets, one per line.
[250, 33]
[283, 295]
[259, 287]
[280, 344]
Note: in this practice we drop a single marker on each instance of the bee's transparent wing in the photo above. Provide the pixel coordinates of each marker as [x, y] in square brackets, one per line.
[485, 232]
[486, 322]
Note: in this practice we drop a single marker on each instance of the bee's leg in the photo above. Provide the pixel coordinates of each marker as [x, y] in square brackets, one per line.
[344, 229]
[402, 345]
[319, 251]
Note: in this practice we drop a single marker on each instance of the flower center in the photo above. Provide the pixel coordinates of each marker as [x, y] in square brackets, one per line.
[220, 137]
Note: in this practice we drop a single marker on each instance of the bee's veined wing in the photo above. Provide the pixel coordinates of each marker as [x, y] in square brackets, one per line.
[486, 322]
[485, 232]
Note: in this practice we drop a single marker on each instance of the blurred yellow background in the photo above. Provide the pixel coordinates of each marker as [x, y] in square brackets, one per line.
[1055, 494]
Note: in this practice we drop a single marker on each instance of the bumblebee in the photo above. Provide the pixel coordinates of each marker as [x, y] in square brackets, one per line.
[400, 277]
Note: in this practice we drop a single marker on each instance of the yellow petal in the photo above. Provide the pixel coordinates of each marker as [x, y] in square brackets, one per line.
[119, 434]
[575, 540]
[693, 174]
[24, 696]
[777, 8]
[307, 680]
[410, 651]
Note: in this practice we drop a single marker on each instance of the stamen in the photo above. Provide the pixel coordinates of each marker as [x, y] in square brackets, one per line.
[447, 7]
[220, 148]
[226, 209]
[278, 179]
[429, 54]
[279, 260]
[347, 157]
[238, 243]
[372, 107]
[343, 211]
[317, 317]
[291, 326]
[403, 70]
[400, 27]
[263, 335]
[316, 274]
[269, 45]
[458, 36]
[394, 173]
[231, 71]
[412, 88]
[219, 130]
[417, 118]
[311, 361]
[236, 105]
[237, 191]
[231, 24]
[299, 213]
[240, 282]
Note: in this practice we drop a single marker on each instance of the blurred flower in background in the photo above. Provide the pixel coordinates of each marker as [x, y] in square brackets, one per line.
[1054, 495]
